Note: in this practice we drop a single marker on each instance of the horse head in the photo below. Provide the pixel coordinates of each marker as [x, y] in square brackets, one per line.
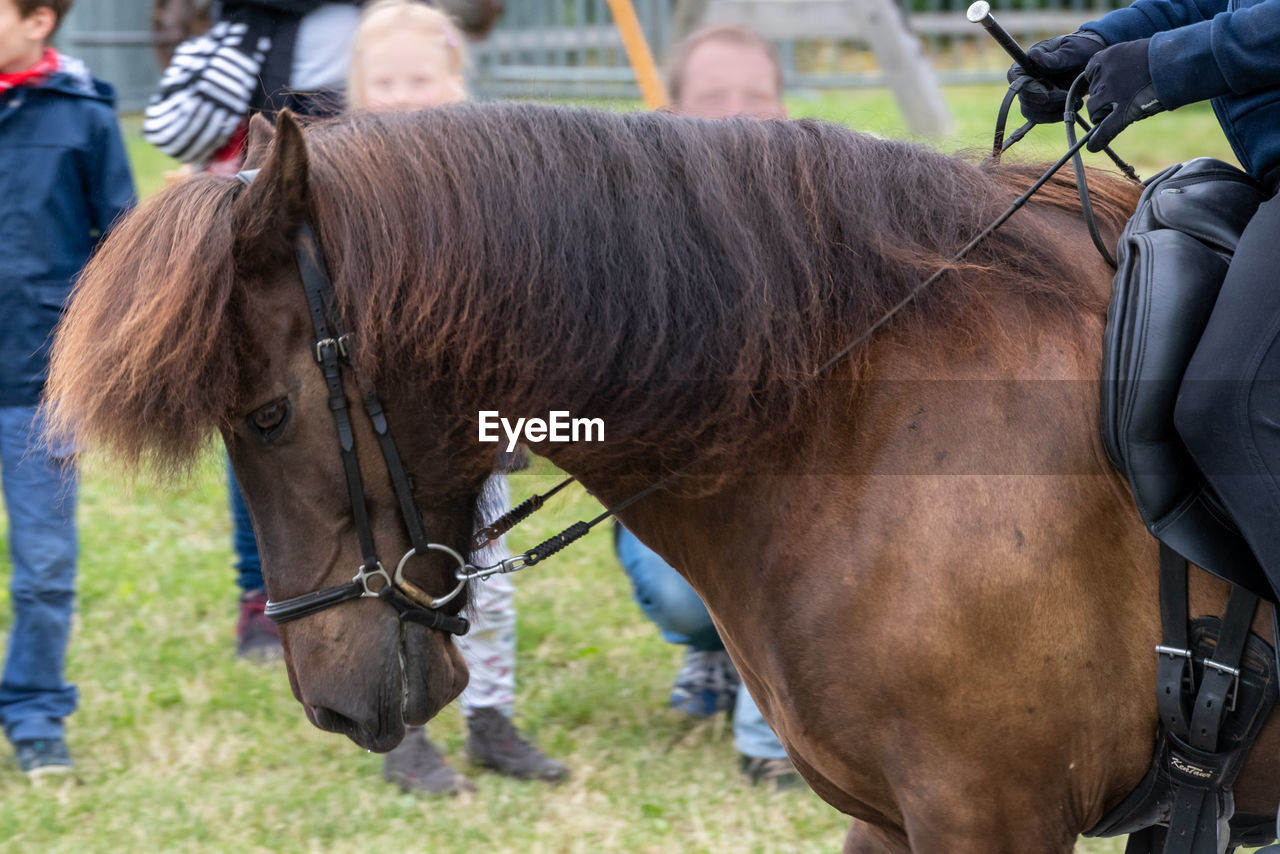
[356, 668]
[220, 261]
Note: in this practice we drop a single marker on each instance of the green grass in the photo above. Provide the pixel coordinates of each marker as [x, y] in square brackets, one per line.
[180, 747]
[1149, 145]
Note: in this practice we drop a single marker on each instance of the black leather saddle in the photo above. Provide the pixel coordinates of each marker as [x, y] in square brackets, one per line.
[1172, 259]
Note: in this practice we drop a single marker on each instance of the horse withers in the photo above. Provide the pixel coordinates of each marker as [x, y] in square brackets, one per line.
[932, 582]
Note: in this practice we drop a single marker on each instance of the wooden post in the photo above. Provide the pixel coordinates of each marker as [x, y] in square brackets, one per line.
[909, 74]
[638, 54]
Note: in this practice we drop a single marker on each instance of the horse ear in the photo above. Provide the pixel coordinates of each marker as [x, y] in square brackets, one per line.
[260, 134]
[274, 204]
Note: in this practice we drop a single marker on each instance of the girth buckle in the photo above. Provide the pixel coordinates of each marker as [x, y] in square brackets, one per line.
[1188, 671]
[1234, 673]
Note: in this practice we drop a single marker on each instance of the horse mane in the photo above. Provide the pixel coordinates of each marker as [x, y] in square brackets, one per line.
[141, 362]
[509, 247]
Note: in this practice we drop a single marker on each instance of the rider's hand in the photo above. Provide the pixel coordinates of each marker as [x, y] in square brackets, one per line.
[1120, 90]
[1063, 58]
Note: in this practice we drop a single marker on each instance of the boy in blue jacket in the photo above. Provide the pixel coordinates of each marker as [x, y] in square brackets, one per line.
[64, 180]
[1158, 55]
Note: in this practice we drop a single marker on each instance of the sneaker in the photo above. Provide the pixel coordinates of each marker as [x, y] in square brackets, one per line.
[706, 684]
[493, 742]
[43, 756]
[417, 765]
[773, 774]
[257, 638]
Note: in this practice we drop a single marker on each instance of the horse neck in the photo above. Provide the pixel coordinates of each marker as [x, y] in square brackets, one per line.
[985, 415]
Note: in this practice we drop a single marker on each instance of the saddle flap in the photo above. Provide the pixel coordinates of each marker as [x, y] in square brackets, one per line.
[1173, 257]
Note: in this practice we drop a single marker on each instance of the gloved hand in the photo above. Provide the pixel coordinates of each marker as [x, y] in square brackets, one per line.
[1063, 58]
[1120, 90]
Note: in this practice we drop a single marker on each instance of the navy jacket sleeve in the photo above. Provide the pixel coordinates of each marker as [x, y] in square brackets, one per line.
[1198, 49]
[111, 192]
[1145, 18]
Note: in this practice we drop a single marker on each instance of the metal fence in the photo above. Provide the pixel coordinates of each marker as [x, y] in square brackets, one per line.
[564, 48]
[114, 38]
[570, 48]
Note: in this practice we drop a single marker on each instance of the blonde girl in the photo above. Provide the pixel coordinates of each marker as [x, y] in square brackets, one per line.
[406, 55]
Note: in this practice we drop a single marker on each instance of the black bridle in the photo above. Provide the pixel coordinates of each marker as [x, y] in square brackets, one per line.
[331, 350]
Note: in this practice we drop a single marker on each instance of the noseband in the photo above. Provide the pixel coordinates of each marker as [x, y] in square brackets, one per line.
[331, 350]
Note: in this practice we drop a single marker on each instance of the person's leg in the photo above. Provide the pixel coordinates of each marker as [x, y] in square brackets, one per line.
[664, 596]
[39, 485]
[764, 761]
[257, 638]
[751, 732]
[707, 682]
[248, 563]
[490, 652]
[1228, 411]
[489, 648]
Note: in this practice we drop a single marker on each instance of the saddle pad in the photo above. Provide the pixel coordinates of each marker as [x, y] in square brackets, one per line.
[1172, 258]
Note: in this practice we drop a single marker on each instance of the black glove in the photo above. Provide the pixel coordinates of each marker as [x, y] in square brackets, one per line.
[1120, 90]
[1062, 58]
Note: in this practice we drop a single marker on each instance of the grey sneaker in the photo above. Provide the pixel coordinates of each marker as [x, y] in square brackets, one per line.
[43, 756]
[494, 742]
[773, 774]
[417, 765]
[706, 684]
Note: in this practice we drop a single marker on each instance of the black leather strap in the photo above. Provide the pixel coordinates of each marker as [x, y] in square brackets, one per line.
[1199, 772]
[1147, 841]
[1222, 672]
[313, 602]
[1174, 672]
[395, 468]
[328, 349]
[410, 612]
[1198, 821]
[1000, 143]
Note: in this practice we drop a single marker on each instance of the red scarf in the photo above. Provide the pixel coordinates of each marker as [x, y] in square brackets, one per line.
[228, 159]
[29, 77]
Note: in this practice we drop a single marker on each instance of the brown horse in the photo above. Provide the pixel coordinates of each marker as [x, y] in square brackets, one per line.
[928, 576]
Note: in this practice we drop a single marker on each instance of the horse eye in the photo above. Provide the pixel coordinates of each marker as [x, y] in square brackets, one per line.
[270, 418]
